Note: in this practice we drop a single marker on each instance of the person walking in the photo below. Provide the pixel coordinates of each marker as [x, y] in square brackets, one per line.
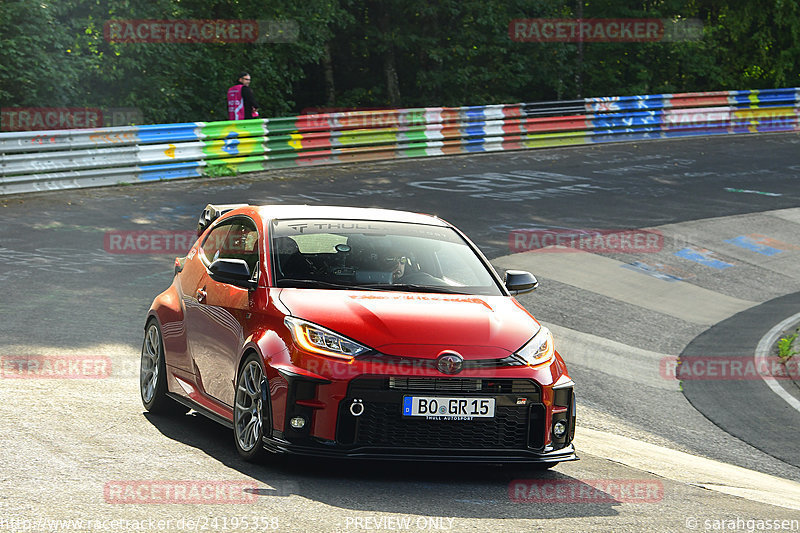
[242, 103]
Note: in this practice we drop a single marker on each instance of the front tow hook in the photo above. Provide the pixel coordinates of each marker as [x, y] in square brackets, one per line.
[357, 408]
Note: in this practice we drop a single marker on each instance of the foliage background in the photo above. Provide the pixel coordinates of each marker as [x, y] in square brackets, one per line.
[381, 53]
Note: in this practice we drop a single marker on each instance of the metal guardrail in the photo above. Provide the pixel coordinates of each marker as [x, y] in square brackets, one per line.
[62, 159]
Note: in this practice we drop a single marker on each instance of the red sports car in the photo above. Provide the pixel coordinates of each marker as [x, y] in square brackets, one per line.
[350, 332]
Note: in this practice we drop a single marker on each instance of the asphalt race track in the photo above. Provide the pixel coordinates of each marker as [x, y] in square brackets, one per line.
[718, 450]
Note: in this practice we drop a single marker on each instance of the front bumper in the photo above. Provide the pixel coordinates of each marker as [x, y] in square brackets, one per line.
[520, 431]
[440, 455]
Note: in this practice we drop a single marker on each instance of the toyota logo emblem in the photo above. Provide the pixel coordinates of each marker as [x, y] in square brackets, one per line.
[449, 363]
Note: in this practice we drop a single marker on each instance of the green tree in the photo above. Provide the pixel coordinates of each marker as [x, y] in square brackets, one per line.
[39, 65]
[381, 53]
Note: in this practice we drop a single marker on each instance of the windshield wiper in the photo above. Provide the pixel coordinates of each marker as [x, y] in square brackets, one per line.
[410, 287]
[312, 284]
[318, 284]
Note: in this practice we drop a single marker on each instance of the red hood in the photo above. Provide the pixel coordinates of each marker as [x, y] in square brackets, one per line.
[418, 324]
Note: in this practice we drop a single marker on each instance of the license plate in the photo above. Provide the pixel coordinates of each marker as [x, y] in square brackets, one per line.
[439, 408]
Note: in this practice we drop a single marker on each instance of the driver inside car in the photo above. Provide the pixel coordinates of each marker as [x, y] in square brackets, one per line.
[398, 265]
[378, 261]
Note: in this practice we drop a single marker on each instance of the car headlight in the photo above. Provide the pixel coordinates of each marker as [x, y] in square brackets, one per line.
[538, 350]
[316, 339]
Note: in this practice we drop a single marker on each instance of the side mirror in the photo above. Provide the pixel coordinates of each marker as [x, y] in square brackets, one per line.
[232, 271]
[520, 281]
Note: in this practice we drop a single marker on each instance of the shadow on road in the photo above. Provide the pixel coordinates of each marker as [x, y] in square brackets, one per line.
[421, 488]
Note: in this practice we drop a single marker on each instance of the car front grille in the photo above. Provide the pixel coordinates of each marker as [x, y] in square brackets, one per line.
[435, 385]
[518, 423]
[382, 425]
[492, 386]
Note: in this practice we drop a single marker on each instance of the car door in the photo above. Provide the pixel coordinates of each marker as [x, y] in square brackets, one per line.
[215, 320]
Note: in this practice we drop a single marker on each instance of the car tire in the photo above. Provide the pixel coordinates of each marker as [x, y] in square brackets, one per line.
[248, 410]
[153, 373]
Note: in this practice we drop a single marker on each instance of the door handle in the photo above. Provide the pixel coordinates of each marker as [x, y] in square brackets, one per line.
[201, 295]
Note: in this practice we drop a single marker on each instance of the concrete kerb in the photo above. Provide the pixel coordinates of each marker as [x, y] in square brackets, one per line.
[768, 346]
[794, 348]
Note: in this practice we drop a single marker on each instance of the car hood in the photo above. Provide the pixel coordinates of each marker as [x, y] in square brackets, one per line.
[418, 324]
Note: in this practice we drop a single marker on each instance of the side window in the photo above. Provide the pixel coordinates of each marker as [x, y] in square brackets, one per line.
[214, 242]
[237, 239]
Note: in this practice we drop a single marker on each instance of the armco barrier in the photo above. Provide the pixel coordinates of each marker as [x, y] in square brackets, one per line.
[48, 160]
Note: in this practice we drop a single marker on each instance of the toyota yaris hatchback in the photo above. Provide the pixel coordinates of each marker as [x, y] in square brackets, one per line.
[349, 332]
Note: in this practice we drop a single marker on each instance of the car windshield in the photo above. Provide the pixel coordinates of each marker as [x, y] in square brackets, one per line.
[374, 255]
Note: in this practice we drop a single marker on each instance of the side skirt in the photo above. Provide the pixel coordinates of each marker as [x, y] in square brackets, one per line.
[200, 409]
